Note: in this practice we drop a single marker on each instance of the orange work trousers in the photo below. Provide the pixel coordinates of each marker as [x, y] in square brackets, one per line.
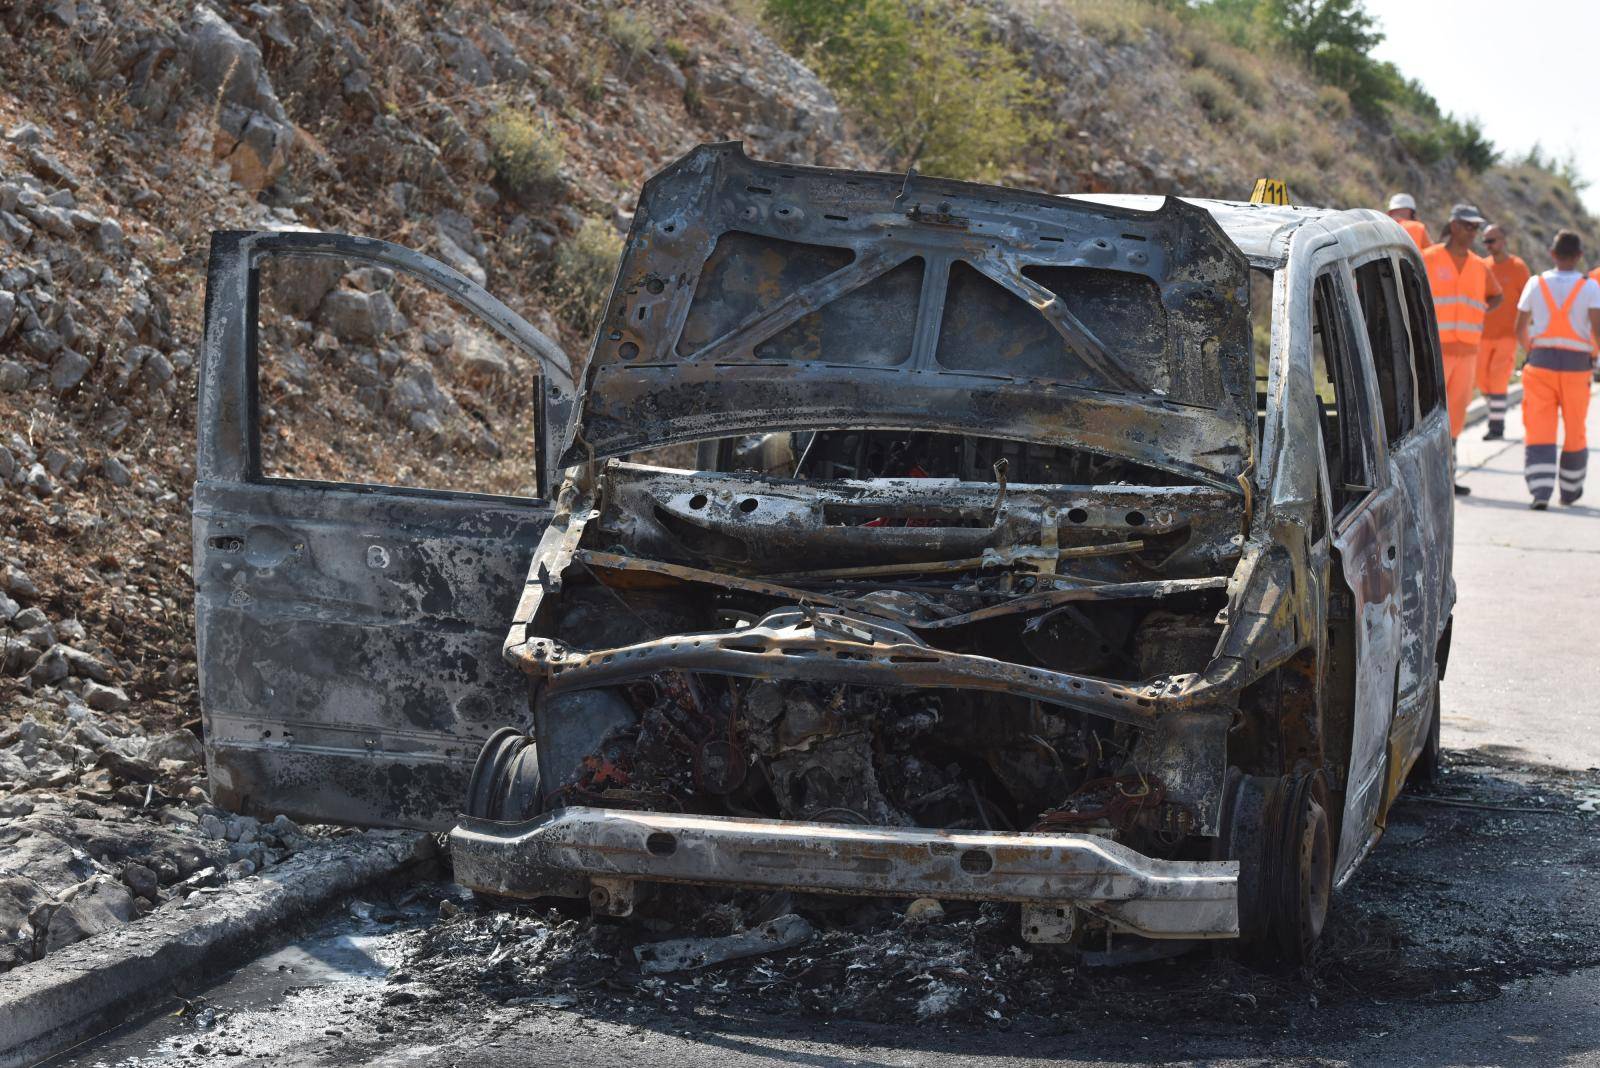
[1547, 394]
[1459, 372]
[1497, 358]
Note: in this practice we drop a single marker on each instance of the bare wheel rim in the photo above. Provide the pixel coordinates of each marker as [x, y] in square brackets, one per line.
[1316, 869]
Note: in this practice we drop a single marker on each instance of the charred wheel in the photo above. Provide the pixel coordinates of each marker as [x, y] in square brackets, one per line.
[505, 782]
[1280, 831]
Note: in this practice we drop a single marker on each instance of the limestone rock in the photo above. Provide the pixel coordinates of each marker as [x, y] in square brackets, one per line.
[68, 369]
[254, 135]
[104, 698]
[99, 905]
[356, 316]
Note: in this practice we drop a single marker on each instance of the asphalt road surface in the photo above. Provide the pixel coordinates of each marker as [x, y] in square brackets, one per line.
[1471, 937]
[1525, 671]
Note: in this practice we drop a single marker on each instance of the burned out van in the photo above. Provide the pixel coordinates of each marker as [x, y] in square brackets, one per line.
[899, 537]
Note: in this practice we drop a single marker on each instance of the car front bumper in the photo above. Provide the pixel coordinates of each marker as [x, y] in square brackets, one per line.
[601, 853]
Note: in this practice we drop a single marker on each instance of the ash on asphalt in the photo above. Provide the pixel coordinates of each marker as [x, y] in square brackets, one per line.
[1461, 898]
[1479, 884]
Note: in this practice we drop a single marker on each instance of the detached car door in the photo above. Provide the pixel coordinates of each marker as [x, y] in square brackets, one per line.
[362, 523]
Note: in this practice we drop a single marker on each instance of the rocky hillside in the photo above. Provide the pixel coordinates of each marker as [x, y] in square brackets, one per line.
[506, 139]
[1146, 101]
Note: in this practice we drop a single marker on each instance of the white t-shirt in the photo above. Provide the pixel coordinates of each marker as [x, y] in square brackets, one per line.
[1561, 283]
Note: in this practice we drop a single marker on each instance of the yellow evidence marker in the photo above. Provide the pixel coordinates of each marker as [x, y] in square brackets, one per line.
[1270, 191]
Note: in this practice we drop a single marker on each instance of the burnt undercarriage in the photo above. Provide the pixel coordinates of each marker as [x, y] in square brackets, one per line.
[1013, 664]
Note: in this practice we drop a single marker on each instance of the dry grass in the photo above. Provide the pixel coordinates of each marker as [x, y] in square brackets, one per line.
[1117, 22]
[1333, 102]
[1241, 70]
[580, 279]
[527, 152]
[1213, 95]
[632, 32]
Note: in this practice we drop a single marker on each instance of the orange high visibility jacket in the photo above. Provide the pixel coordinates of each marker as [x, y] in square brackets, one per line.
[1595, 348]
[1512, 274]
[1418, 232]
[1558, 333]
[1459, 299]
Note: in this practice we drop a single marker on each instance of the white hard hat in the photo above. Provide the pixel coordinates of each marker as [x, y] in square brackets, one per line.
[1402, 200]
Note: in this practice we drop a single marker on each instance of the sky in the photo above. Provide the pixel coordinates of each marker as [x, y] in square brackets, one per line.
[1525, 70]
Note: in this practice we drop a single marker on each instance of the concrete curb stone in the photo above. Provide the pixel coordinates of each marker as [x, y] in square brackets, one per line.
[79, 991]
[1478, 410]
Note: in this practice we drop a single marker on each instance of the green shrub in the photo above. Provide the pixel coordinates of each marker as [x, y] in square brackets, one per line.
[925, 77]
[580, 277]
[1424, 144]
[1213, 96]
[1466, 142]
[632, 33]
[526, 151]
[677, 49]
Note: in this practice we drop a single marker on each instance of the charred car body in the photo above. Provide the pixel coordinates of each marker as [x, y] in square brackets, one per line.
[1014, 563]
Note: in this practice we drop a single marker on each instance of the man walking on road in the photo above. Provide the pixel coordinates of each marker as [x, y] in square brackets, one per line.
[1464, 291]
[1558, 319]
[1498, 356]
[1403, 210]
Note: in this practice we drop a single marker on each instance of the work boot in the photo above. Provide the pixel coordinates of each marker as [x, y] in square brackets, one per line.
[1463, 491]
[1496, 431]
[1539, 506]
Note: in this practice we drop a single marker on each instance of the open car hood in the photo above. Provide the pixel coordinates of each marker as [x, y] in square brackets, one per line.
[757, 297]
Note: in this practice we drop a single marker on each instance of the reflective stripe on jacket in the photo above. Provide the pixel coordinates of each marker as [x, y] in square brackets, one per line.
[1460, 299]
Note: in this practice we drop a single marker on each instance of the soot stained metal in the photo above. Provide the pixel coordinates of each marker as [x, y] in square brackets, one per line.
[1011, 566]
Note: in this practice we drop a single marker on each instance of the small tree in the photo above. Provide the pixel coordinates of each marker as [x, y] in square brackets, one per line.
[926, 76]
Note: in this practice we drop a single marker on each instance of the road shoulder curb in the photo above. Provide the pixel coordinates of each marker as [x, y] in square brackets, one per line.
[1478, 410]
[77, 992]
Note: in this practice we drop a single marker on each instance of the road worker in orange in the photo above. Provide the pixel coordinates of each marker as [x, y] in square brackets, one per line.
[1498, 356]
[1595, 274]
[1464, 291]
[1403, 210]
[1558, 320]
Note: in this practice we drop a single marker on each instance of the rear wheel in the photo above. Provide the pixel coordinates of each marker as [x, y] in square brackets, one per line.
[1429, 765]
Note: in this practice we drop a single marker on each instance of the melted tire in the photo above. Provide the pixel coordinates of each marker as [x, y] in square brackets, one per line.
[1304, 863]
[1430, 765]
[506, 785]
[1280, 831]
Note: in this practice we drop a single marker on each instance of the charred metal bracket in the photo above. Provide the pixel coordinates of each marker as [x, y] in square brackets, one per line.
[1190, 749]
[791, 643]
[776, 516]
[1067, 590]
[609, 849]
